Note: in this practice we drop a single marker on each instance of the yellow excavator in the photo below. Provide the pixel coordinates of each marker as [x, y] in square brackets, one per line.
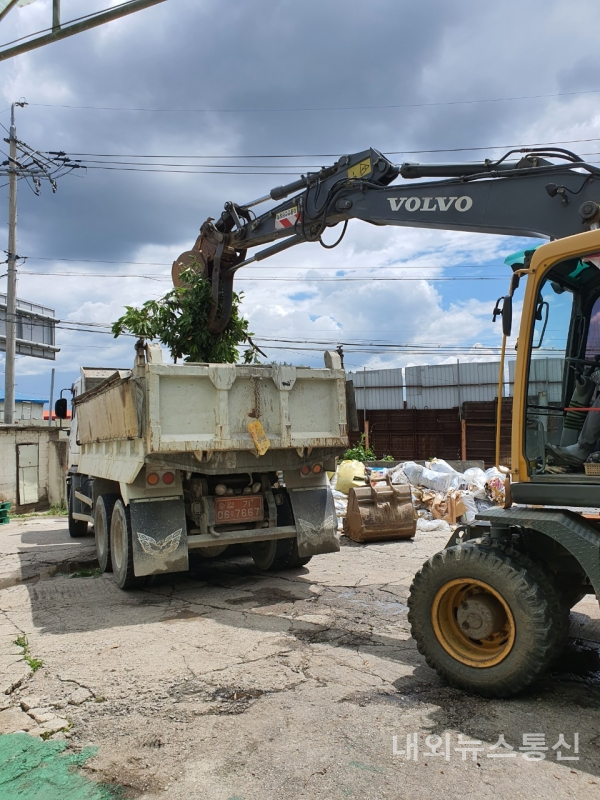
[490, 612]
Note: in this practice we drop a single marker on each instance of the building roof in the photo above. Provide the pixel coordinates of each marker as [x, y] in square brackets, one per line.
[22, 398]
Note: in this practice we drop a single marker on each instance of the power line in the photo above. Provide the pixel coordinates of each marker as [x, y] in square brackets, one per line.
[337, 155]
[185, 171]
[339, 279]
[316, 108]
[262, 266]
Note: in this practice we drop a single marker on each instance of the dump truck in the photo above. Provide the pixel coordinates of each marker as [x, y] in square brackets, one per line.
[168, 458]
[490, 612]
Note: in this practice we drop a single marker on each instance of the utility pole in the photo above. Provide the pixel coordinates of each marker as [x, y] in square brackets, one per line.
[23, 162]
[11, 289]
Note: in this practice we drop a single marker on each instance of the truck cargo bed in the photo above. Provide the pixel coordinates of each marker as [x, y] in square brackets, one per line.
[205, 409]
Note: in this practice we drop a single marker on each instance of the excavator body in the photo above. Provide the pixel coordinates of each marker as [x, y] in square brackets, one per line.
[490, 612]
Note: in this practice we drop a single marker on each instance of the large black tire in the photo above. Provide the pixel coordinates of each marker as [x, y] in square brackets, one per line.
[277, 554]
[102, 517]
[121, 548]
[294, 560]
[78, 528]
[572, 591]
[527, 615]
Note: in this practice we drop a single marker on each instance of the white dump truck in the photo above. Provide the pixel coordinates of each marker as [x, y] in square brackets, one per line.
[165, 458]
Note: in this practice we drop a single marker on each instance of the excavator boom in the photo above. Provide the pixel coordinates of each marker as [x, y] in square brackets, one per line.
[524, 193]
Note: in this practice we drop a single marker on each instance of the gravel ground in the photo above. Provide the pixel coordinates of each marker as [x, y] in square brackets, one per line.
[231, 684]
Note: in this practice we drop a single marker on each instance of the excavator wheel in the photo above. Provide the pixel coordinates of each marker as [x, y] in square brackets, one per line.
[489, 621]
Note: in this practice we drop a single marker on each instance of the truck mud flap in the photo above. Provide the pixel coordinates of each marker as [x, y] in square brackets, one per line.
[159, 535]
[316, 521]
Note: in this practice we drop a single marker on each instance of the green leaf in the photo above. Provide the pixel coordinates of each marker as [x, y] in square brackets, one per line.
[179, 321]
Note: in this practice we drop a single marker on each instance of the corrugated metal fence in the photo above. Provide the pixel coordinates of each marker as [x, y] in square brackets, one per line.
[450, 385]
[378, 389]
[445, 410]
[422, 433]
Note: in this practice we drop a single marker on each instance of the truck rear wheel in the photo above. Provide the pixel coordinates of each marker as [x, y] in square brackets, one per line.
[277, 554]
[121, 547]
[103, 510]
[78, 528]
[487, 621]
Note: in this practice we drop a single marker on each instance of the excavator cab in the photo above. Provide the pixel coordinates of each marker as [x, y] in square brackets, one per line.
[491, 612]
[556, 425]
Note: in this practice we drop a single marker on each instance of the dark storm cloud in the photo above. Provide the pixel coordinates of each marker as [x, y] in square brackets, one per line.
[204, 55]
[193, 54]
[283, 55]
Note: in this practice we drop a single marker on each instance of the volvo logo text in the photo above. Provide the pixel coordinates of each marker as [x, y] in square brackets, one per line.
[463, 203]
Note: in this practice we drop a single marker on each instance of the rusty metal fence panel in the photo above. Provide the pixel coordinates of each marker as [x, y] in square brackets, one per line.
[414, 433]
[418, 434]
[480, 420]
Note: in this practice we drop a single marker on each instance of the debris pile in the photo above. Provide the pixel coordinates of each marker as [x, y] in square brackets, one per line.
[441, 495]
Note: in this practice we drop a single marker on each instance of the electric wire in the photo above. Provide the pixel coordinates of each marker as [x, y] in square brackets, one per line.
[299, 279]
[313, 108]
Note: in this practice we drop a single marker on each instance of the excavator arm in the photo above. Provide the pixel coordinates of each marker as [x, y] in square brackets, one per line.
[547, 193]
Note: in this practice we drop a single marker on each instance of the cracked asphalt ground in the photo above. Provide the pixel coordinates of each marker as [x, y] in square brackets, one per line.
[231, 684]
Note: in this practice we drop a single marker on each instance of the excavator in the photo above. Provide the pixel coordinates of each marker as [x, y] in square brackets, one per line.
[490, 612]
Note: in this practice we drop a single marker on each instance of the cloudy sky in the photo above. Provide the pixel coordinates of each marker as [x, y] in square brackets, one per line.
[215, 91]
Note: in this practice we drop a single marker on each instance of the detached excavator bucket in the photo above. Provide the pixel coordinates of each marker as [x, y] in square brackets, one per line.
[376, 513]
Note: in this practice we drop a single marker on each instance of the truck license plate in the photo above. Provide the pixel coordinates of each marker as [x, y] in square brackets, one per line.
[238, 509]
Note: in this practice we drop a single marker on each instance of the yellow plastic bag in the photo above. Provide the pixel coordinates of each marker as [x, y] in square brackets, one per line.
[350, 473]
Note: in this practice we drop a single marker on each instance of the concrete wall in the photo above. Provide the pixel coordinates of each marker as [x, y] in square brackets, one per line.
[52, 456]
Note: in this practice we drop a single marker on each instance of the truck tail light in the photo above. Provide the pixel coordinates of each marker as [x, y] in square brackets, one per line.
[168, 478]
[152, 478]
[316, 469]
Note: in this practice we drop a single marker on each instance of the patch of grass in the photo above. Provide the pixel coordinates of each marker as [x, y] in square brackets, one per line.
[87, 573]
[34, 663]
[57, 510]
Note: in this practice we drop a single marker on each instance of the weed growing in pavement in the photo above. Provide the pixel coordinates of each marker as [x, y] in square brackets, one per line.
[56, 510]
[87, 573]
[34, 663]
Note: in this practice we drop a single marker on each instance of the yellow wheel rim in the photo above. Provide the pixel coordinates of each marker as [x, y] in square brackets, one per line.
[473, 622]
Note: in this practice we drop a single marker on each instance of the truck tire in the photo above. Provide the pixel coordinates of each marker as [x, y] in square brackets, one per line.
[78, 528]
[294, 561]
[507, 597]
[121, 548]
[277, 554]
[102, 516]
